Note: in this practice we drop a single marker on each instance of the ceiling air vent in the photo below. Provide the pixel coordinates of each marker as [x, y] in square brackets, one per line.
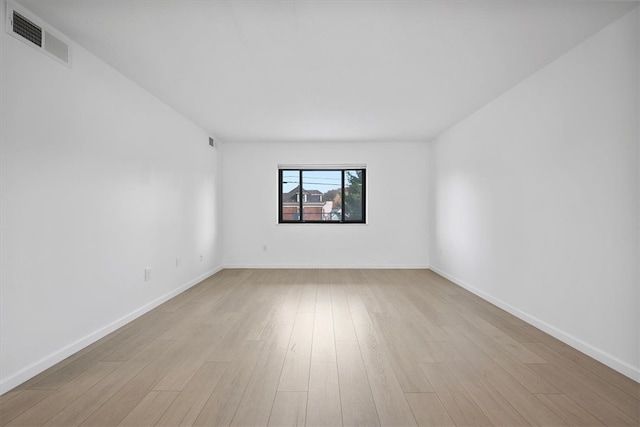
[25, 27]
[56, 47]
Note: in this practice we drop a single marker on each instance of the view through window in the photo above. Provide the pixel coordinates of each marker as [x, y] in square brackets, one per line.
[322, 195]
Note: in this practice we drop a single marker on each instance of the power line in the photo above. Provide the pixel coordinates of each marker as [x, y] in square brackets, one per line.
[310, 183]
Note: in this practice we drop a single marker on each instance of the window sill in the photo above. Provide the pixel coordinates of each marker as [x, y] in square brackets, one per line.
[323, 224]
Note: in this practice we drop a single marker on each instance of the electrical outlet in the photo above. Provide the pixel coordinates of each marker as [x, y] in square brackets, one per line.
[264, 248]
[147, 274]
[201, 257]
[178, 262]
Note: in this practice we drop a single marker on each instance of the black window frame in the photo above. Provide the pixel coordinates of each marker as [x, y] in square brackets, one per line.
[300, 214]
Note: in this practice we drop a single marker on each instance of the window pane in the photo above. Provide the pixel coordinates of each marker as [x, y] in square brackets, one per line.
[333, 195]
[353, 195]
[290, 195]
[322, 195]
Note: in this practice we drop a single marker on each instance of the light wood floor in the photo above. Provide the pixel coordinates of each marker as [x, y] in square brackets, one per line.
[326, 347]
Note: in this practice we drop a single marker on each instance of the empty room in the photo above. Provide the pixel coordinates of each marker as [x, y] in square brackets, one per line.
[320, 213]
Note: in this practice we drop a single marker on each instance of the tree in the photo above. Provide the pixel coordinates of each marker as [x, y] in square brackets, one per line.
[353, 195]
[331, 194]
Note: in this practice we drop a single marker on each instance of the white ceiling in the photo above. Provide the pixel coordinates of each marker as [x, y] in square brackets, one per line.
[327, 70]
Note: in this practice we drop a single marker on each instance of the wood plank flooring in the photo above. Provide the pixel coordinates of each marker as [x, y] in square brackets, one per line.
[325, 348]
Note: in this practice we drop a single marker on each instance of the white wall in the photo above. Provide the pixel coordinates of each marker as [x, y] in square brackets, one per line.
[396, 233]
[99, 180]
[535, 198]
[638, 204]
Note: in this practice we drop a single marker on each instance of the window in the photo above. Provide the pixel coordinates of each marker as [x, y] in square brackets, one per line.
[321, 195]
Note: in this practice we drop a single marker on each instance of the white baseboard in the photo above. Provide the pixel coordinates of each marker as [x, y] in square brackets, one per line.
[332, 267]
[613, 362]
[34, 369]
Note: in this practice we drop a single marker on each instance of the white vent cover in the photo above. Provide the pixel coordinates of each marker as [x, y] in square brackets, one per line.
[24, 26]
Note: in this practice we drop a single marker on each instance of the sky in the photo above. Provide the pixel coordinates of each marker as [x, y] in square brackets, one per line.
[313, 180]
